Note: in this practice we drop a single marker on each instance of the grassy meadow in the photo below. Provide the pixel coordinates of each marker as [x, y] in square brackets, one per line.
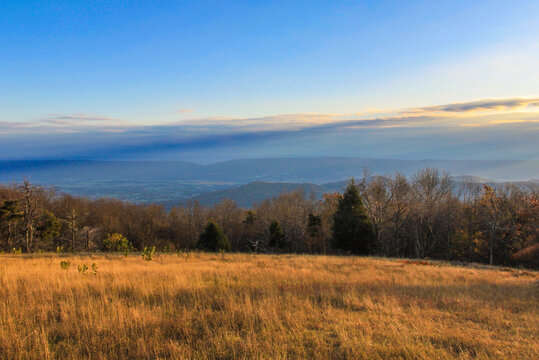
[239, 306]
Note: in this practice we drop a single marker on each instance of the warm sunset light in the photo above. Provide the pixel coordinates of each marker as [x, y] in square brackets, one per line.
[323, 179]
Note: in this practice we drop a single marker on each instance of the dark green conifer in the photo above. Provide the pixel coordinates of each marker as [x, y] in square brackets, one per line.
[277, 238]
[213, 238]
[352, 229]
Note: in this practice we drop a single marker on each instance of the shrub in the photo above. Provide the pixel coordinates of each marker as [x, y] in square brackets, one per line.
[83, 268]
[147, 253]
[118, 242]
[65, 265]
[94, 269]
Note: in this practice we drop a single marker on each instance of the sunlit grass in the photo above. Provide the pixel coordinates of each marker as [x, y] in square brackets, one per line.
[212, 306]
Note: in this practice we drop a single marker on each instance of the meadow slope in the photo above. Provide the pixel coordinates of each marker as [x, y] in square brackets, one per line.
[238, 306]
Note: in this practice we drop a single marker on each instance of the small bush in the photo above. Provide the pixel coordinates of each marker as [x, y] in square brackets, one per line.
[147, 253]
[65, 265]
[118, 242]
[83, 269]
[94, 269]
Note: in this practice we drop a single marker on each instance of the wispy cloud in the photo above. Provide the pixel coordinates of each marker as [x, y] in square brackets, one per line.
[477, 112]
[65, 123]
[62, 119]
[480, 105]
[95, 135]
[268, 122]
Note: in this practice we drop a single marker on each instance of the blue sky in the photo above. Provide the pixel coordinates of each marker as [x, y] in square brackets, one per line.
[208, 80]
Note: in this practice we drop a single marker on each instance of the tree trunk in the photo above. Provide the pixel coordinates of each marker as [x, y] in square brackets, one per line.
[9, 235]
[491, 247]
[27, 239]
[73, 239]
[491, 240]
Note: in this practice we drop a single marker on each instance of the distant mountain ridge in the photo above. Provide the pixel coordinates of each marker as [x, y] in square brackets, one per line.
[316, 170]
[258, 191]
[247, 195]
[172, 181]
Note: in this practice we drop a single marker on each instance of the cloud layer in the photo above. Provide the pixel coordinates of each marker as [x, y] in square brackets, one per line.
[503, 128]
[481, 105]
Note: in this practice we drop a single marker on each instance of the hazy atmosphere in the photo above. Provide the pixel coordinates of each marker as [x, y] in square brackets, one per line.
[210, 81]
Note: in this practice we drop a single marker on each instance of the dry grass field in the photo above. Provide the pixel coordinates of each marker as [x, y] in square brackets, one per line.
[212, 306]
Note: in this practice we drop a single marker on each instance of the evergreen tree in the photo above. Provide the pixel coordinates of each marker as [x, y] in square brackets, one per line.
[314, 225]
[213, 239]
[10, 213]
[50, 227]
[277, 238]
[352, 229]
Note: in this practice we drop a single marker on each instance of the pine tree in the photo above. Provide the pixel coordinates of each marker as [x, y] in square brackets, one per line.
[352, 229]
[277, 238]
[10, 212]
[213, 239]
[314, 225]
[50, 227]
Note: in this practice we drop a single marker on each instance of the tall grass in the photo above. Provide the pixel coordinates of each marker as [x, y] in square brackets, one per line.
[263, 307]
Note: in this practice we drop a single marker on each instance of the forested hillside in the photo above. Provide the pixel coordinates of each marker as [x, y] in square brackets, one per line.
[422, 218]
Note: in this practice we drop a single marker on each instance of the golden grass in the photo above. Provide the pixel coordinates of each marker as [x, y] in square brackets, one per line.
[212, 306]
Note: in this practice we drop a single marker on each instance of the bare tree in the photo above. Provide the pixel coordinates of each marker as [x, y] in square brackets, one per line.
[430, 188]
[71, 220]
[469, 194]
[400, 206]
[377, 196]
[30, 211]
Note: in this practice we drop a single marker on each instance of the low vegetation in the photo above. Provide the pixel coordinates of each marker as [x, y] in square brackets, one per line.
[241, 306]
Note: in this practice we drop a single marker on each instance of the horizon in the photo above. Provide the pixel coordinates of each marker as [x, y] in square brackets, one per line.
[202, 163]
[317, 170]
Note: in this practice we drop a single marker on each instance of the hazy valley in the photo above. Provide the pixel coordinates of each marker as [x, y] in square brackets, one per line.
[244, 181]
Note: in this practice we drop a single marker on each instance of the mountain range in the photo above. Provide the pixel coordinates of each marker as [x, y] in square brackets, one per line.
[245, 180]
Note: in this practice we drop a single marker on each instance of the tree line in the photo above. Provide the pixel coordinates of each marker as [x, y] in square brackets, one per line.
[427, 216]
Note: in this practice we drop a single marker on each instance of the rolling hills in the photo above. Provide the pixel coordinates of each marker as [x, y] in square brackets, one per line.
[244, 180]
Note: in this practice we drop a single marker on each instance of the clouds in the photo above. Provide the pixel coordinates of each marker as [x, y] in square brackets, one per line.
[377, 132]
[77, 119]
[64, 123]
[481, 105]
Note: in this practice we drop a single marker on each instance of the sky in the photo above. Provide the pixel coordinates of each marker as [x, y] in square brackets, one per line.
[207, 81]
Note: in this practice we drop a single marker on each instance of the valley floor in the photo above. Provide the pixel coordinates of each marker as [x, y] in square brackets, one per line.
[239, 306]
